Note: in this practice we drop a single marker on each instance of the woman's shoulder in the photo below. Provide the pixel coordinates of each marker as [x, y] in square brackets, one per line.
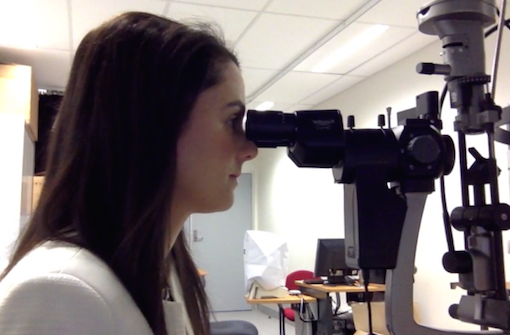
[63, 258]
[73, 279]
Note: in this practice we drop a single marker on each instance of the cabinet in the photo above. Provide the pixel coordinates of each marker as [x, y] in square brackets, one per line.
[19, 95]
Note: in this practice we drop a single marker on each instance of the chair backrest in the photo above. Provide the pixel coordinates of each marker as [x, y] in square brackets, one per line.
[297, 275]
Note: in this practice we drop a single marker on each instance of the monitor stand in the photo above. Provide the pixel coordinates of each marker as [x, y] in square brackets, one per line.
[338, 280]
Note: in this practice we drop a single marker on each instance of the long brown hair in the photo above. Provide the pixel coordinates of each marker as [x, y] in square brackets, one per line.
[112, 156]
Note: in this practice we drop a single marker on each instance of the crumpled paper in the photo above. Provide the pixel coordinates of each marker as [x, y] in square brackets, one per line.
[265, 259]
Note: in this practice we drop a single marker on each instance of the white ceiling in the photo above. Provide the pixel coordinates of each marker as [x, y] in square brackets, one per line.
[278, 41]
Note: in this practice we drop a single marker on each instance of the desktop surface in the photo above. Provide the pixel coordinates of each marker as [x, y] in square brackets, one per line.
[334, 280]
[341, 287]
[289, 299]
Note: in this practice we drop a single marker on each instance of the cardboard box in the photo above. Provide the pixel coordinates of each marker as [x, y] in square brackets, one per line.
[18, 94]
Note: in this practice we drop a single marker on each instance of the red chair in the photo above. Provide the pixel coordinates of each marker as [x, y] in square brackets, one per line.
[288, 312]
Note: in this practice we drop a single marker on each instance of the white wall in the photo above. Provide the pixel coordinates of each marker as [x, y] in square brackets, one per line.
[304, 204]
[16, 173]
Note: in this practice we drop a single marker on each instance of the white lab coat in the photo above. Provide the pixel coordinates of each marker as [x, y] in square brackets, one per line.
[59, 288]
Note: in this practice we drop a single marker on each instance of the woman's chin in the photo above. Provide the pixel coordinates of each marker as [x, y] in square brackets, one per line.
[220, 204]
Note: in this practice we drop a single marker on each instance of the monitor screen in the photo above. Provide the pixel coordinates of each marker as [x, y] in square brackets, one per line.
[330, 260]
[377, 276]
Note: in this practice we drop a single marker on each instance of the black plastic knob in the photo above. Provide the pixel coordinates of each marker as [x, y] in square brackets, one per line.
[449, 156]
[381, 120]
[425, 68]
[431, 68]
[424, 149]
[350, 122]
[457, 262]
[453, 311]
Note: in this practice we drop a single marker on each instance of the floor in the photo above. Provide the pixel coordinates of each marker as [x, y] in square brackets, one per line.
[265, 324]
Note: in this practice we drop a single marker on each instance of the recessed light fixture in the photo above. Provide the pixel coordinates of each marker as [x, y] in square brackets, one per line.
[351, 47]
[264, 106]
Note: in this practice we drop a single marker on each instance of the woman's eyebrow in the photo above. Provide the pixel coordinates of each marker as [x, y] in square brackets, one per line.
[237, 103]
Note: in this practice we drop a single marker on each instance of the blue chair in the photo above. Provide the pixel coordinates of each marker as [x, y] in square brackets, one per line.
[233, 327]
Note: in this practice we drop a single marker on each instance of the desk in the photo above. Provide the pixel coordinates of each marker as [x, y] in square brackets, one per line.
[289, 299]
[340, 288]
[300, 327]
[321, 293]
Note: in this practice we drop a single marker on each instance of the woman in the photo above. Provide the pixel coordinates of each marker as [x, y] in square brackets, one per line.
[149, 131]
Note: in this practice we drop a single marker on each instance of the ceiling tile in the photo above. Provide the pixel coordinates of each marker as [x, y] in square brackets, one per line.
[255, 78]
[11, 55]
[299, 107]
[395, 53]
[278, 106]
[52, 24]
[330, 9]
[231, 21]
[86, 16]
[391, 36]
[51, 67]
[400, 13]
[282, 107]
[265, 41]
[332, 89]
[295, 86]
[276, 40]
[31, 24]
[244, 4]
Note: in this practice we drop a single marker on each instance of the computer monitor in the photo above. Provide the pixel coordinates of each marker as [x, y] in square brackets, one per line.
[377, 276]
[330, 261]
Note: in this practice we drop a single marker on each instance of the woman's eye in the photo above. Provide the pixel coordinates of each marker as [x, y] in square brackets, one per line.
[236, 122]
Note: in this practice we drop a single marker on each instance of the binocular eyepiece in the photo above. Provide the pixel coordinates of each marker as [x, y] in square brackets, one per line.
[314, 138]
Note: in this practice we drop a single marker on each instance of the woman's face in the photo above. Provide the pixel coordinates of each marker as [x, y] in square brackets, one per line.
[213, 148]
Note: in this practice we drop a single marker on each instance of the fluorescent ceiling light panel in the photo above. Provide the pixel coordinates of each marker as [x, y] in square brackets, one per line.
[19, 39]
[15, 32]
[264, 106]
[351, 47]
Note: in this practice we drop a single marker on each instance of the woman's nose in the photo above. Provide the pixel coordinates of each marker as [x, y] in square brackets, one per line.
[250, 151]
